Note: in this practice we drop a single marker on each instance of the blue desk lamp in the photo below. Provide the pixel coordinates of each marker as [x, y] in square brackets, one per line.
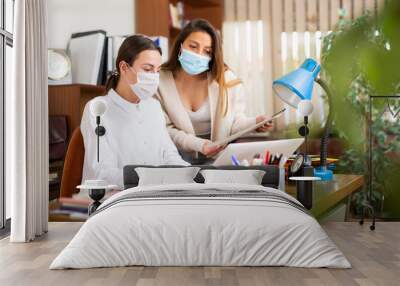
[295, 89]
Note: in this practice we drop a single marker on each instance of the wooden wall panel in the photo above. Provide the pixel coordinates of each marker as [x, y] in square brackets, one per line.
[380, 5]
[266, 17]
[312, 16]
[254, 10]
[358, 6]
[277, 28]
[323, 15]
[289, 19]
[300, 6]
[347, 7]
[334, 13]
[230, 10]
[152, 17]
[242, 9]
[213, 14]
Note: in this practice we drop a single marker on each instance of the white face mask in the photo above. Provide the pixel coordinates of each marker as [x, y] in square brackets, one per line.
[146, 85]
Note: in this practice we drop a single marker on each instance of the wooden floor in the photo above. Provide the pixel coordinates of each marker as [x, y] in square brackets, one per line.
[375, 257]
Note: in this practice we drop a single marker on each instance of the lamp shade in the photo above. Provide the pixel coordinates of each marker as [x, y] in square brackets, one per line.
[298, 84]
[98, 107]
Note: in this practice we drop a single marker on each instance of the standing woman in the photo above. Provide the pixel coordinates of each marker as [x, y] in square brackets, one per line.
[202, 99]
[134, 122]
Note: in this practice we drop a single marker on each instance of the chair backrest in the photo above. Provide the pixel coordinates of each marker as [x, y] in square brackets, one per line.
[73, 165]
[58, 137]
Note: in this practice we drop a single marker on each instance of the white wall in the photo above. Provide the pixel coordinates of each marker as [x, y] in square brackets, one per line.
[65, 17]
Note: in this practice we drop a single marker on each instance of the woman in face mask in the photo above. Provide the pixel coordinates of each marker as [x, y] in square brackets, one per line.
[135, 130]
[202, 99]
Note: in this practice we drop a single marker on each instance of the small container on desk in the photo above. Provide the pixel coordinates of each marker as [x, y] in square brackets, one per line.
[304, 186]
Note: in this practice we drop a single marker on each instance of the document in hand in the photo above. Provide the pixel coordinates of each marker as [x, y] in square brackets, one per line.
[239, 134]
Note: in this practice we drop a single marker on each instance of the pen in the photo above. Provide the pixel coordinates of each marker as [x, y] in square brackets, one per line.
[278, 159]
[235, 161]
[266, 159]
[271, 159]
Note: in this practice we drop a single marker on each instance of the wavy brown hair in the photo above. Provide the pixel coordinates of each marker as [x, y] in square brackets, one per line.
[217, 67]
[129, 50]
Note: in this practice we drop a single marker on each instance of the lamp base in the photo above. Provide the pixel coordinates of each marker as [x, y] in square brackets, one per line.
[305, 187]
[96, 195]
[323, 173]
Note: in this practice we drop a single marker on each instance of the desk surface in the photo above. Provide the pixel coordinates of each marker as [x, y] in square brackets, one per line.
[327, 194]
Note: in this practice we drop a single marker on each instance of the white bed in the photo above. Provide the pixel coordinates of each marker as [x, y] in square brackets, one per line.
[201, 224]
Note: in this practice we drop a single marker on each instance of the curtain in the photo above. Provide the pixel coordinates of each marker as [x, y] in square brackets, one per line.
[265, 39]
[27, 123]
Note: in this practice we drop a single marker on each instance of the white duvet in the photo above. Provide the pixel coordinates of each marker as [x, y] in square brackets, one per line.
[188, 231]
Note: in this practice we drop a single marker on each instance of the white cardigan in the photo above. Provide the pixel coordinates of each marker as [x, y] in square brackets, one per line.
[178, 121]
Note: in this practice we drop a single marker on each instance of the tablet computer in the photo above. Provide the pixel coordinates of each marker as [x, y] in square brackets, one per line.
[248, 150]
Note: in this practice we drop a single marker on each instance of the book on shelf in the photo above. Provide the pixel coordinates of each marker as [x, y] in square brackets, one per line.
[53, 177]
[176, 15]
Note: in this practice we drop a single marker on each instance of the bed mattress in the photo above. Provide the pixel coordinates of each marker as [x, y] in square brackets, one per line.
[201, 225]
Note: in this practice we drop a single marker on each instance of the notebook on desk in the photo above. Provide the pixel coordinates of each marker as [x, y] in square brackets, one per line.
[248, 150]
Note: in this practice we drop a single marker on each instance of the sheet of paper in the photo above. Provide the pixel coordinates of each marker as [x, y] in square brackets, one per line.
[239, 134]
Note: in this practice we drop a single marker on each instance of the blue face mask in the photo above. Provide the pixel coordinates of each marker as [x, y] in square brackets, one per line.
[193, 63]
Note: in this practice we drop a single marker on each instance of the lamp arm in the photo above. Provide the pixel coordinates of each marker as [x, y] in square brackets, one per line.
[99, 131]
[328, 124]
[98, 138]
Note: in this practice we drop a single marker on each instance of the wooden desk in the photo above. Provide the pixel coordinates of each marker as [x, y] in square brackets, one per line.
[328, 194]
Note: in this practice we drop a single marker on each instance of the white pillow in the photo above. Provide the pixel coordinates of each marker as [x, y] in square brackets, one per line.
[166, 176]
[248, 177]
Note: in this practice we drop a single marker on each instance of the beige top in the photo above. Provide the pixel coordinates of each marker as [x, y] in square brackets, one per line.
[178, 121]
[201, 119]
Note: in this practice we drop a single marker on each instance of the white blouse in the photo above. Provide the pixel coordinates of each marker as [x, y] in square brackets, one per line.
[135, 134]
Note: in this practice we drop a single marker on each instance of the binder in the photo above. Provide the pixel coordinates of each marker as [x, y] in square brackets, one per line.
[88, 57]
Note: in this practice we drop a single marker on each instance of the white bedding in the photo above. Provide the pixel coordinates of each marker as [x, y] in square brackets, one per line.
[183, 231]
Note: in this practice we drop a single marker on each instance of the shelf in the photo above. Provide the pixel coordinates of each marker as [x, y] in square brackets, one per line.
[202, 3]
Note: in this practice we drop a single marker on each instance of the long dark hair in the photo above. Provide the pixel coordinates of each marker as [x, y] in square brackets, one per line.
[130, 48]
[217, 66]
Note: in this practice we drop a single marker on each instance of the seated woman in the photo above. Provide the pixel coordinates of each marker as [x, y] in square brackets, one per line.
[134, 122]
[202, 99]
